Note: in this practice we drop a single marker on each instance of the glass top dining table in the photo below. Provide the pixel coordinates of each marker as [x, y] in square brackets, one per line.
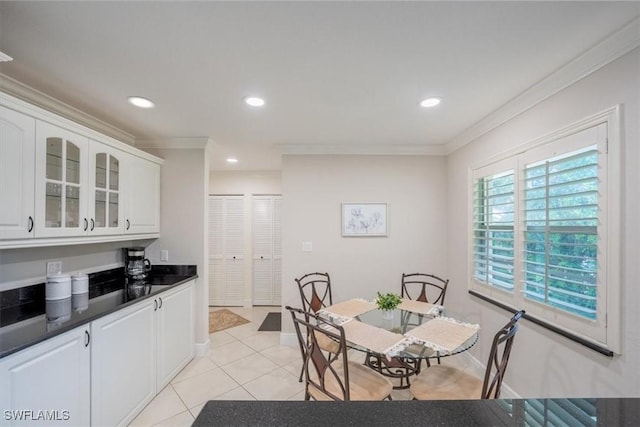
[403, 321]
[396, 342]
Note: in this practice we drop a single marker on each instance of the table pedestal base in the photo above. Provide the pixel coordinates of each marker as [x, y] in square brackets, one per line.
[396, 367]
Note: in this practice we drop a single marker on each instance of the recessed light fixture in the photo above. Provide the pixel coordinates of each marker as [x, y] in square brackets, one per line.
[232, 160]
[254, 101]
[141, 102]
[430, 102]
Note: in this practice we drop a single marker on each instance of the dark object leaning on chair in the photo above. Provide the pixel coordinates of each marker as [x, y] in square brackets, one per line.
[446, 382]
[315, 293]
[415, 286]
[334, 378]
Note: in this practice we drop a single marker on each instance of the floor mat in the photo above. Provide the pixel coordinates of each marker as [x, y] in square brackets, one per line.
[273, 322]
[220, 320]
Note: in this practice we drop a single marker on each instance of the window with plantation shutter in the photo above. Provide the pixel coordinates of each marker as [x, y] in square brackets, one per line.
[545, 232]
[561, 232]
[493, 230]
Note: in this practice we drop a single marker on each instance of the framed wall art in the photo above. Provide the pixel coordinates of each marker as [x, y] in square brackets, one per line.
[364, 219]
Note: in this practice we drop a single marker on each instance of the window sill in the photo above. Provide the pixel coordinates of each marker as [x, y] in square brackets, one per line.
[602, 350]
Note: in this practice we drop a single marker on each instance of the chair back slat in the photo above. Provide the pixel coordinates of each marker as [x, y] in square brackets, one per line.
[499, 358]
[419, 286]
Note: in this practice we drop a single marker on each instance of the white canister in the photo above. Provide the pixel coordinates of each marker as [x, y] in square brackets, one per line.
[79, 284]
[58, 286]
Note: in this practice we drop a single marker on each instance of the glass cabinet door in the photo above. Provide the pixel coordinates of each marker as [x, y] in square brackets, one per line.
[107, 212]
[61, 165]
[62, 204]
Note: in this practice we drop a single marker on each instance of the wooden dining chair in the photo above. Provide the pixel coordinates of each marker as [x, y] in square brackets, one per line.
[334, 378]
[448, 383]
[315, 294]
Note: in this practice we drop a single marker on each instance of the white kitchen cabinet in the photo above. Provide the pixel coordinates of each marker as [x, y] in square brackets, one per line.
[17, 168]
[137, 351]
[174, 331]
[123, 367]
[61, 182]
[267, 250]
[106, 212]
[53, 376]
[226, 250]
[143, 196]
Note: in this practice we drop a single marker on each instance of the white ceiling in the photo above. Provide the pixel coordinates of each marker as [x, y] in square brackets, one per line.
[342, 75]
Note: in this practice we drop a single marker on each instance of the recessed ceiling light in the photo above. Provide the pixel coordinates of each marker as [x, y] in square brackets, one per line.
[254, 101]
[232, 160]
[141, 102]
[430, 102]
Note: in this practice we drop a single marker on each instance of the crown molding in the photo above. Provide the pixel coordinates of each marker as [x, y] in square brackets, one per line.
[175, 143]
[33, 96]
[362, 149]
[611, 48]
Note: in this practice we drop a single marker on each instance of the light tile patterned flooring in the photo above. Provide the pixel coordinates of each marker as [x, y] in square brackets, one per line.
[242, 364]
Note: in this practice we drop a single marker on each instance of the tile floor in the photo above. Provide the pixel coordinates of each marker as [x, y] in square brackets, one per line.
[242, 364]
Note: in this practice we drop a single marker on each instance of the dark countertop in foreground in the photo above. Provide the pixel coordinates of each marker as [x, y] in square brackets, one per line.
[463, 413]
[27, 319]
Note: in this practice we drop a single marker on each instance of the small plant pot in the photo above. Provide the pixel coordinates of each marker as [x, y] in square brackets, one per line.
[387, 314]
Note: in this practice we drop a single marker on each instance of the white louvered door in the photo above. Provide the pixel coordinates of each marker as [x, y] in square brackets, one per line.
[266, 250]
[226, 260]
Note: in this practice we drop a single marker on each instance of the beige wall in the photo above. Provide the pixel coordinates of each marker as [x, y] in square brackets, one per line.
[23, 267]
[414, 187]
[183, 226]
[245, 182]
[544, 364]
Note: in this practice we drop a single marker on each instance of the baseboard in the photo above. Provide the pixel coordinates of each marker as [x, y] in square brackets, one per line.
[201, 349]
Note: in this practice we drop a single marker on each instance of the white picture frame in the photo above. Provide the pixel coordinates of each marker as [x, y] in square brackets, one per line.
[364, 219]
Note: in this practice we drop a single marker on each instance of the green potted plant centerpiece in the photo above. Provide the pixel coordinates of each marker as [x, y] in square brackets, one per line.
[388, 302]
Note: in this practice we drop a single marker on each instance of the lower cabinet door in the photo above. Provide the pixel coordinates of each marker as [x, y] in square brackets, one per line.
[123, 364]
[175, 332]
[49, 383]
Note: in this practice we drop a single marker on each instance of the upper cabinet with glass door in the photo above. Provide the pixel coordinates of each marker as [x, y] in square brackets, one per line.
[61, 182]
[106, 207]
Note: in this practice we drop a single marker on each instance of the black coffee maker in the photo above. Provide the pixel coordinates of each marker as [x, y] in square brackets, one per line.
[136, 266]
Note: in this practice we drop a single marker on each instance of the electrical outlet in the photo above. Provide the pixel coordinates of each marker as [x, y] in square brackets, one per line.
[54, 267]
[164, 255]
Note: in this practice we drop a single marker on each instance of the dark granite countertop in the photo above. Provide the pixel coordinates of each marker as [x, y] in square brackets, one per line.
[27, 319]
[453, 413]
